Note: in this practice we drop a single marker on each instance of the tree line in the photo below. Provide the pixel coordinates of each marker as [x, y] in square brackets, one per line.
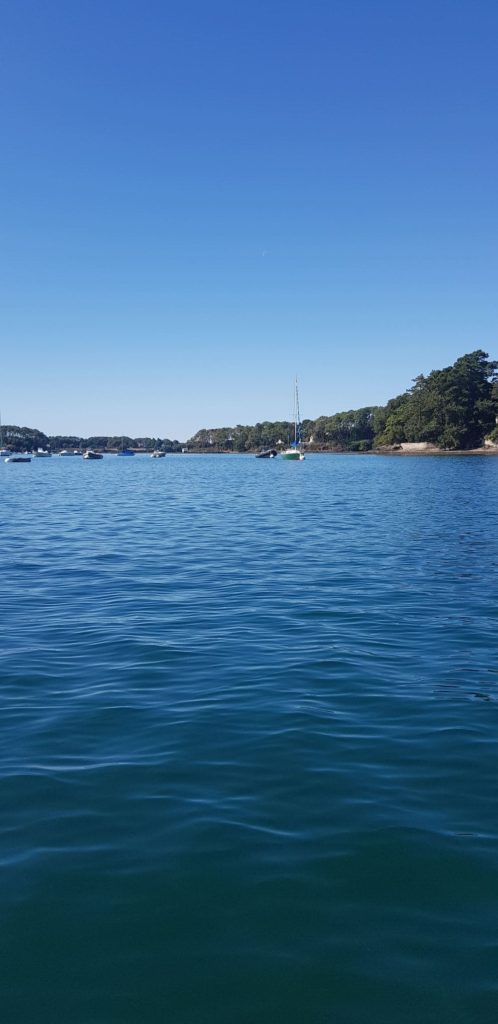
[452, 408]
[29, 439]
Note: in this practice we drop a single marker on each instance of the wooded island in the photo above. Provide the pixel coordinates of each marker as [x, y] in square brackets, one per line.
[455, 408]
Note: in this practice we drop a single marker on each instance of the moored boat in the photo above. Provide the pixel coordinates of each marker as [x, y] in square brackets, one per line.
[93, 455]
[294, 451]
[157, 455]
[269, 453]
[18, 458]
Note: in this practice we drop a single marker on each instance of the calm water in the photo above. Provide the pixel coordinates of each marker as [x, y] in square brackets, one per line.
[248, 755]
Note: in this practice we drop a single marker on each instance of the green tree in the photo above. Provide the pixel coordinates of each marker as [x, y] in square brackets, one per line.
[452, 408]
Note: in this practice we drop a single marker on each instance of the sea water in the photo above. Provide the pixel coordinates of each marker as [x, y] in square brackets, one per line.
[249, 725]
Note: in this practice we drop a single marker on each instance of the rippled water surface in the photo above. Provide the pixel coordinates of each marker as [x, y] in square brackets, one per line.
[248, 756]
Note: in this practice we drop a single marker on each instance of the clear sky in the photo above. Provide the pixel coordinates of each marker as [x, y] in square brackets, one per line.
[202, 198]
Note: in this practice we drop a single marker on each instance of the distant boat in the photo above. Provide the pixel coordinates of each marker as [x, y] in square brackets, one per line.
[269, 453]
[124, 451]
[65, 452]
[18, 458]
[93, 455]
[41, 453]
[157, 455]
[294, 451]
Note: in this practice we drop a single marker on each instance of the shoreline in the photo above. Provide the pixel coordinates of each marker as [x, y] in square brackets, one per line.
[438, 452]
[390, 453]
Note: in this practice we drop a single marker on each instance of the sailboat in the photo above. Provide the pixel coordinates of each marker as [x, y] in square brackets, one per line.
[123, 450]
[294, 450]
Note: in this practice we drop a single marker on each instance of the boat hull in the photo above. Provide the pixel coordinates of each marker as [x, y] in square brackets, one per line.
[270, 453]
[292, 456]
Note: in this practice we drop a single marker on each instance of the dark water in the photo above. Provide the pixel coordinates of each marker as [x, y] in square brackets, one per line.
[248, 756]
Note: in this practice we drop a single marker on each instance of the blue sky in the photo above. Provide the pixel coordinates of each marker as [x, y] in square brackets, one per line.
[201, 199]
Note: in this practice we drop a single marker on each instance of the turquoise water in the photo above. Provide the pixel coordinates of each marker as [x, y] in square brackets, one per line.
[248, 756]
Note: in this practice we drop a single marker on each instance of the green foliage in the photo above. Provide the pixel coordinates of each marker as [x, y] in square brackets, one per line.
[243, 438]
[24, 438]
[345, 429]
[64, 441]
[361, 446]
[118, 442]
[29, 439]
[456, 407]
[451, 408]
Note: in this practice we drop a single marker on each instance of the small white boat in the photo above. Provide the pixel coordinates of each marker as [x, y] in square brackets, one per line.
[65, 452]
[41, 453]
[157, 455]
[93, 455]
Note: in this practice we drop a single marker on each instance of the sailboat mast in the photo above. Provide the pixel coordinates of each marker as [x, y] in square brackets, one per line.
[294, 451]
[297, 421]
